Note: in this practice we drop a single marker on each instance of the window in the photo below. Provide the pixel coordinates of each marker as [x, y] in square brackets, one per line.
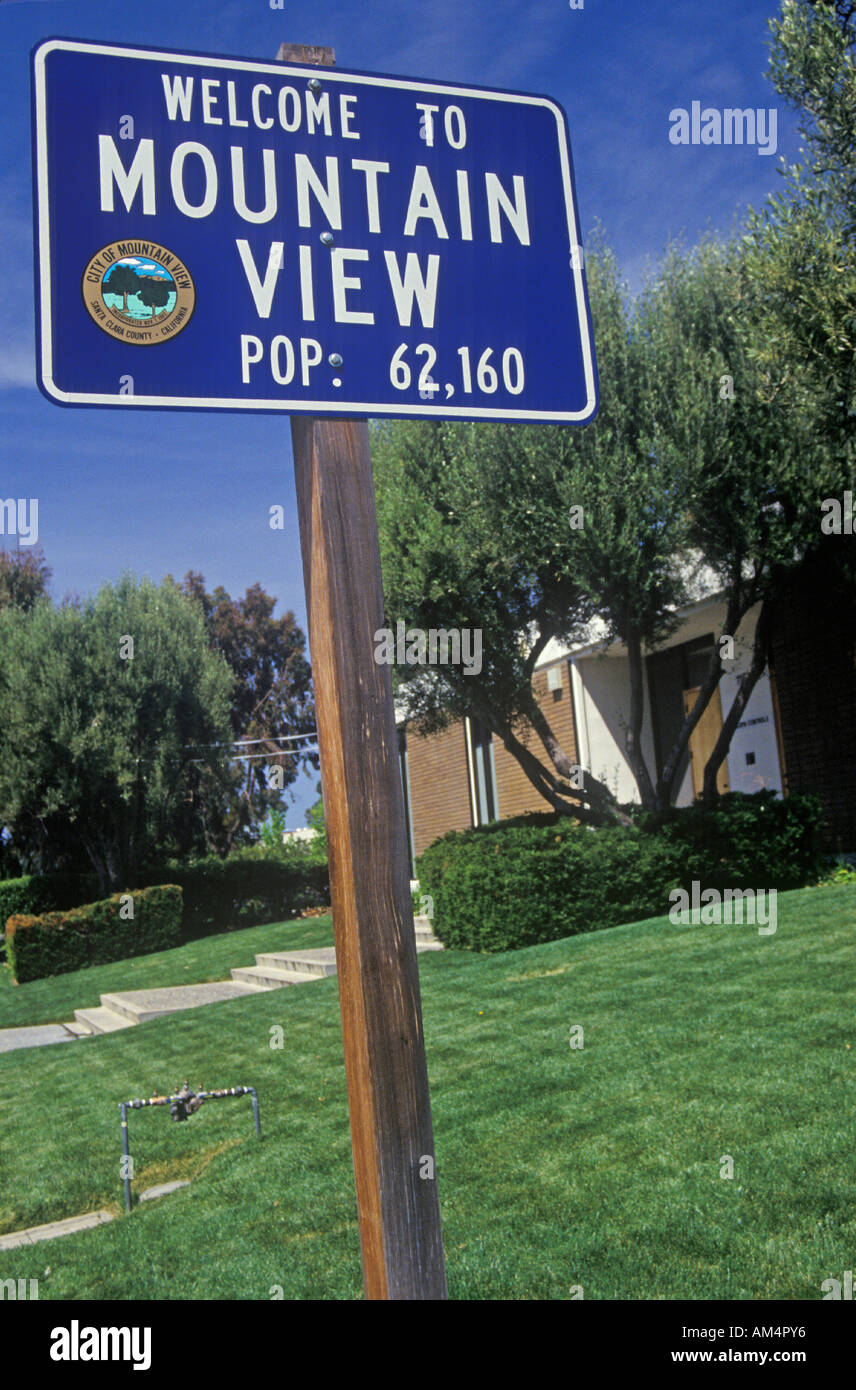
[484, 802]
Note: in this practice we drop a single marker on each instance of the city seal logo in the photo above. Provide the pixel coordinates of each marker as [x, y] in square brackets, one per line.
[138, 292]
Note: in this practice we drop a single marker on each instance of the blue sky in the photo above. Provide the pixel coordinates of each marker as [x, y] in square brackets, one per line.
[162, 492]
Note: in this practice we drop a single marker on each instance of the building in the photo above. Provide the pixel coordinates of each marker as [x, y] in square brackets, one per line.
[463, 776]
[813, 655]
[302, 834]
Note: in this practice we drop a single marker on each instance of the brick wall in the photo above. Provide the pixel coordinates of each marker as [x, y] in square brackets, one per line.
[814, 662]
[515, 793]
[439, 787]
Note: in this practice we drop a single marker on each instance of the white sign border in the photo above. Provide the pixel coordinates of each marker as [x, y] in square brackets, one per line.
[301, 407]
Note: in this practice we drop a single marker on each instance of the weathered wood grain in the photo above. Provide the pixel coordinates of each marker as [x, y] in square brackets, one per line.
[391, 1132]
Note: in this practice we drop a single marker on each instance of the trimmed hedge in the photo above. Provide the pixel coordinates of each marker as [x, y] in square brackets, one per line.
[745, 841]
[95, 934]
[225, 894]
[539, 878]
[219, 894]
[33, 894]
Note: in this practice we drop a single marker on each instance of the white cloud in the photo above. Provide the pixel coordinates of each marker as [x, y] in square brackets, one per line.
[17, 367]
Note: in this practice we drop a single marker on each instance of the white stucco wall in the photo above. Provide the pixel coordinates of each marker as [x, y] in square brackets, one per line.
[755, 735]
[601, 692]
[601, 686]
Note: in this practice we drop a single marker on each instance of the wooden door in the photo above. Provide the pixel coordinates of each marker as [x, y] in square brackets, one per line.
[702, 740]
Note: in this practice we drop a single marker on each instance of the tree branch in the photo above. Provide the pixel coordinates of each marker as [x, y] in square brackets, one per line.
[746, 684]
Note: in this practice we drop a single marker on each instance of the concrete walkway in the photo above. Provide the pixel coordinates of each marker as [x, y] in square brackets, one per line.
[38, 1036]
[142, 1005]
[34, 1234]
[272, 970]
[52, 1230]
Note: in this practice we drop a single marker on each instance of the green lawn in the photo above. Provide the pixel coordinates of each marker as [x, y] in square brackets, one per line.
[210, 958]
[557, 1168]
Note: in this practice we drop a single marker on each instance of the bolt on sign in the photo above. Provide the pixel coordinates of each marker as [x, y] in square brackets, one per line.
[241, 235]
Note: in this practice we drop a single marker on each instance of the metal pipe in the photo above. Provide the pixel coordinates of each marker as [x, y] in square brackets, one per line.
[141, 1103]
[255, 1100]
[126, 1156]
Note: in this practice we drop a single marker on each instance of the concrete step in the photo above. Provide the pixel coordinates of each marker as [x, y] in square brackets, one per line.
[425, 938]
[141, 1005]
[101, 1020]
[314, 963]
[427, 941]
[79, 1030]
[317, 963]
[263, 977]
[127, 1007]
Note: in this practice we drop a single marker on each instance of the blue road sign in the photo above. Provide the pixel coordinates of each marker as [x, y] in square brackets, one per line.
[222, 233]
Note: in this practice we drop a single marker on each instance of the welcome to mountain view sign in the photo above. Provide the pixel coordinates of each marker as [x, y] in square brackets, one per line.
[228, 234]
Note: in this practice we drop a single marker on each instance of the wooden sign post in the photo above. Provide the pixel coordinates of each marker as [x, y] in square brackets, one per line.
[393, 1146]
